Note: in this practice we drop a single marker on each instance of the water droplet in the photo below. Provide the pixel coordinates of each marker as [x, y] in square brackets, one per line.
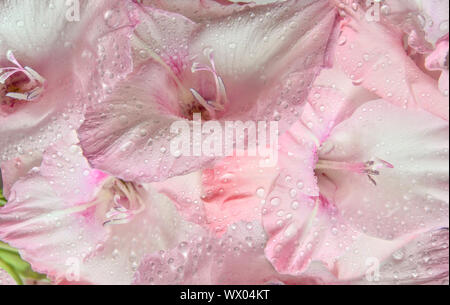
[275, 201]
[260, 192]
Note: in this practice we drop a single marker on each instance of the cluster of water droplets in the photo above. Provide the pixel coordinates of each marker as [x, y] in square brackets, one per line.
[202, 256]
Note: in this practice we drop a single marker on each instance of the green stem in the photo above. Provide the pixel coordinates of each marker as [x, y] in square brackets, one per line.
[5, 266]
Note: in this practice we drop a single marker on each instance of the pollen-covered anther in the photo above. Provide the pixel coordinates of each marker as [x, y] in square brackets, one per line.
[370, 169]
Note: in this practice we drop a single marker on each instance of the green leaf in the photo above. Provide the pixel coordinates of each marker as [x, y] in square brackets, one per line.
[11, 262]
[2, 198]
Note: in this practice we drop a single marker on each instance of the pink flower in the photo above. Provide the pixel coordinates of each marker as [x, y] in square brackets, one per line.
[78, 225]
[225, 61]
[369, 179]
[50, 55]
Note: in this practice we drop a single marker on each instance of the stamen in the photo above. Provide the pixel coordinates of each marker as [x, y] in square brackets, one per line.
[204, 103]
[222, 92]
[34, 76]
[26, 96]
[221, 95]
[126, 203]
[186, 99]
[370, 168]
[16, 89]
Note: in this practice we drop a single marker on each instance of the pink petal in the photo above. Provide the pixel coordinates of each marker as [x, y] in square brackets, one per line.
[420, 258]
[150, 37]
[230, 191]
[14, 169]
[195, 9]
[133, 123]
[368, 51]
[32, 126]
[233, 191]
[237, 258]
[186, 196]
[21, 33]
[60, 30]
[132, 129]
[430, 251]
[443, 82]
[303, 226]
[335, 79]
